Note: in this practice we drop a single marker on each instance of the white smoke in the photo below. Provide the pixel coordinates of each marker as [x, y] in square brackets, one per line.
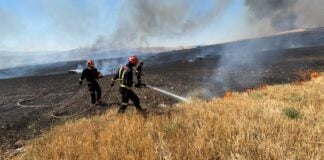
[140, 22]
[10, 25]
[281, 15]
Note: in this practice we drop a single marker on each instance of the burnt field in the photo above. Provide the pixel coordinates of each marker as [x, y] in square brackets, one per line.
[203, 77]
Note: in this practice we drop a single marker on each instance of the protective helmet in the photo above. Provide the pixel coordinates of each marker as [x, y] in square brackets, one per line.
[90, 63]
[133, 60]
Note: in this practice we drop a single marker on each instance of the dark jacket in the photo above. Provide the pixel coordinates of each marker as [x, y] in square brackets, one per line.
[91, 75]
[127, 80]
[139, 70]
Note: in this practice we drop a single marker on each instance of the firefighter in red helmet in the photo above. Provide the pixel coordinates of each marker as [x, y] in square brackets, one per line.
[125, 77]
[91, 74]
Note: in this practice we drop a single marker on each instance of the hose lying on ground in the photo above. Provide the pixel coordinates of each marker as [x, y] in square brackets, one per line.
[19, 103]
[84, 111]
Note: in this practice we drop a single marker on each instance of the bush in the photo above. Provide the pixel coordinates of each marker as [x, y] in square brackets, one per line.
[291, 113]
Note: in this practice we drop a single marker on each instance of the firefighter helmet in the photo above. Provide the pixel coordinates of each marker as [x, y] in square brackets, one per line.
[133, 60]
[90, 63]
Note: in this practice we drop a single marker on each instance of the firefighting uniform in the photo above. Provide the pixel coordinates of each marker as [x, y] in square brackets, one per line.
[92, 75]
[125, 77]
[139, 73]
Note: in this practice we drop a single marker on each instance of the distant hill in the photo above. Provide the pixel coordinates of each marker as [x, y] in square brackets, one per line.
[17, 59]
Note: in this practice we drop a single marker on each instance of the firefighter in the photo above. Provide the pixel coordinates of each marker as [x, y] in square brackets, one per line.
[125, 77]
[139, 74]
[91, 74]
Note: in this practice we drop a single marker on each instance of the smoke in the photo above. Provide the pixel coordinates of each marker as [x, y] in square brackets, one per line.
[9, 25]
[143, 21]
[77, 20]
[310, 13]
[234, 65]
[284, 15]
[278, 12]
[240, 64]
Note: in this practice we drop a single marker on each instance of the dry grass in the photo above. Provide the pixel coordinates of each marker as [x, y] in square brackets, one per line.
[250, 125]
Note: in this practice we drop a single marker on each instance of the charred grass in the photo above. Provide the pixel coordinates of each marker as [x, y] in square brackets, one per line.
[251, 125]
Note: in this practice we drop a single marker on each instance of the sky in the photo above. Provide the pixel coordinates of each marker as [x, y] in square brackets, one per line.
[31, 25]
[60, 25]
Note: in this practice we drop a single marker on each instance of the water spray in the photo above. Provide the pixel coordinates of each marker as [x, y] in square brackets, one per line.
[168, 93]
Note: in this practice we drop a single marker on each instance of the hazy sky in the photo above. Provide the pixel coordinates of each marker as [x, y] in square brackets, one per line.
[42, 25]
[58, 25]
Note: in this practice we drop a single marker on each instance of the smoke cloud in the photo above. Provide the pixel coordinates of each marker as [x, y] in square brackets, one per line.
[75, 19]
[279, 12]
[9, 25]
[286, 14]
[276, 15]
[142, 21]
[310, 13]
[139, 23]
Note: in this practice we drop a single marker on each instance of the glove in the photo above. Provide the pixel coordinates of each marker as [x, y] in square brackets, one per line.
[143, 85]
[80, 82]
[112, 84]
[100, 75]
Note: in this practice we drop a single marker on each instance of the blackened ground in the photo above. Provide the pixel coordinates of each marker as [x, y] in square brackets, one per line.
[185, 77]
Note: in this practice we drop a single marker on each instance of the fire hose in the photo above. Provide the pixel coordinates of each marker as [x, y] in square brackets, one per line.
[84, 111]
[93, 105]
[19, 103]
[162, 91]
[66, 103]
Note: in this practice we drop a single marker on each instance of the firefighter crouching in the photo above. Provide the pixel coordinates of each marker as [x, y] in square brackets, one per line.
[91, 74]
[125, 78]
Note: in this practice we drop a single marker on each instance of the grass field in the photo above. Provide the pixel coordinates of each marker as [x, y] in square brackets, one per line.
[272, 122]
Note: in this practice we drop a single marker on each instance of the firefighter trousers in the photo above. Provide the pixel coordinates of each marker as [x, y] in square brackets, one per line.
[127, 94]
[95, 92]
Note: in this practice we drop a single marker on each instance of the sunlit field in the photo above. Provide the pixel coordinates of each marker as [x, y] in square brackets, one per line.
[272, 122]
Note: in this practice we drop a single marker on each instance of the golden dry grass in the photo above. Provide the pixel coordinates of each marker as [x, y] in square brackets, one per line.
[250, 125]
